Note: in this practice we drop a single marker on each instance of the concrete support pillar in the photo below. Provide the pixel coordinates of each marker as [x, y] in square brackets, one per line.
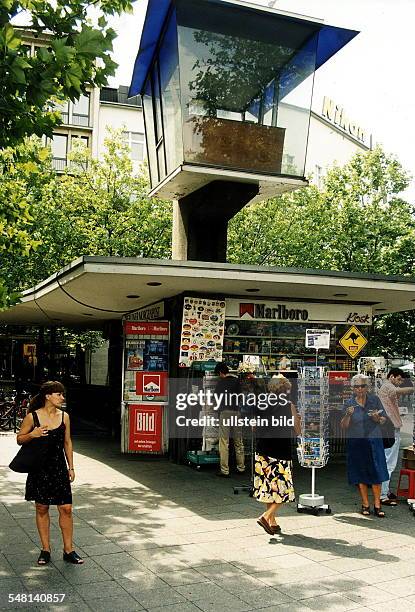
[200, 220]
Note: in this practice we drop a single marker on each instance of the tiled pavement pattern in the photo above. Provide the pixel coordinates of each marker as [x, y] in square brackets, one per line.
[166, 538]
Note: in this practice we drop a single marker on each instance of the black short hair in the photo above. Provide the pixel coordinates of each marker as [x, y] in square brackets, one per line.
[396, 372]
[221, 368]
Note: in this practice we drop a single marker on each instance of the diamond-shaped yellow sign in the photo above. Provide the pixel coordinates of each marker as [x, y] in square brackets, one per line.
[353, 341]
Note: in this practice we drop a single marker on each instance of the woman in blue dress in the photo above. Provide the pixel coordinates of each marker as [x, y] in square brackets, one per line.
[366, 463]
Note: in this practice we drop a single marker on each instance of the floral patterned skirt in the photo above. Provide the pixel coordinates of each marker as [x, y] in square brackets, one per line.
[273, 481]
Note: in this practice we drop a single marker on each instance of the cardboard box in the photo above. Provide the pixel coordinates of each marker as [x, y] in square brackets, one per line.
[409, 453]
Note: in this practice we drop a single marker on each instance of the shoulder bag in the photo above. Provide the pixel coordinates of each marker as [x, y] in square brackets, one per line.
[388, 433]
[31, 455]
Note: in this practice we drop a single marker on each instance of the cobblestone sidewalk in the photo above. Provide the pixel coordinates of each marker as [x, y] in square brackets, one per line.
[166, 538]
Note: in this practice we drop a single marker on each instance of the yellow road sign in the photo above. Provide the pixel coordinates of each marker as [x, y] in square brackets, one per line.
[353, 341]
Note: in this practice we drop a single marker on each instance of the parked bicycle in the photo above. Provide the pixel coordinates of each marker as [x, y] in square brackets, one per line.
[13, 409]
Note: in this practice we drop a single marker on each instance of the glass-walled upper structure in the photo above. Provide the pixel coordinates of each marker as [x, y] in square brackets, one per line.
[227, 88]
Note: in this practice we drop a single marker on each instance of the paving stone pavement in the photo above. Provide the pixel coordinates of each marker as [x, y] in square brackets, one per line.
[166, 538]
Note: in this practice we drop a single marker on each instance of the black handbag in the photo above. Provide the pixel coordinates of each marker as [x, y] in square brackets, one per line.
[388, 433]
[32, 455]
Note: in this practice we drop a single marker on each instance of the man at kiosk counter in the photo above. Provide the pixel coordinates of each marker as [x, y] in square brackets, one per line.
[228, 387]
[389, 393]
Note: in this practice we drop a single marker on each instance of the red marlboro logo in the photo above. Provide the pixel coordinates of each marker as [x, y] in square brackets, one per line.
[246, 309]
[151, 383]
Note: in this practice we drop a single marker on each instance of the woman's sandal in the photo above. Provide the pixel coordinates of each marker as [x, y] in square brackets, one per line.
[44, 557]
[378, 512]
[276, 528]
[365, 510]
[262, 521]
[72, 557]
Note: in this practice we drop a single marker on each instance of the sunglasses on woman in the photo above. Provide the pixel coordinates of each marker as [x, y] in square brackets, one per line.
[359, 386]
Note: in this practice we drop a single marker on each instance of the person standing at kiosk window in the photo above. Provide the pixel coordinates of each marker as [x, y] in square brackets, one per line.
[228, 389]
[389, 393]
[51, 483]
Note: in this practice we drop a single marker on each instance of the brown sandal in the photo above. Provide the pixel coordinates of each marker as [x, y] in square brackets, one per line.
[365, 510]
[265, 525]
[378, 512]
[388, 502]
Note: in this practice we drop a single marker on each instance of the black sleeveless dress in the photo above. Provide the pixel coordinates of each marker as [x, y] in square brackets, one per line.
[50, 485]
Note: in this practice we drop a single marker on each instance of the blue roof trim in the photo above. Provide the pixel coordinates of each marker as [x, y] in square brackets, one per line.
[330, 40]
[155, 17]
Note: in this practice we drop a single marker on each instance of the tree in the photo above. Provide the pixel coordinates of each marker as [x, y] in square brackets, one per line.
[78, 55]
[357, 223]
[99, 207]
[23, 174]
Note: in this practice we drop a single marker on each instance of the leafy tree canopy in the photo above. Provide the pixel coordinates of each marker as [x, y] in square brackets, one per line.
[356, 223]
[98, 207]
[77, 55]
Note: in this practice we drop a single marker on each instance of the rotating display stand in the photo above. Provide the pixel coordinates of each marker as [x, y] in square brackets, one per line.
[313, 448]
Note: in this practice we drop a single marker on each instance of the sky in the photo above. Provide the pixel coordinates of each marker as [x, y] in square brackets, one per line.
[372, 77]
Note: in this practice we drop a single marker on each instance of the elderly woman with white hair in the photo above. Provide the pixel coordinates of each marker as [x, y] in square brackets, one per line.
[366, 463]
[273, 481]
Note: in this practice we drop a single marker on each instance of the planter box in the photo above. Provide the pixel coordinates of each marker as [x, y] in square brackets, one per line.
[233, 144]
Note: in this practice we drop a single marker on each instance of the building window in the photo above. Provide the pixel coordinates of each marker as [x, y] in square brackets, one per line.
[63, 110]
[83, 141]
[135, 141]
[80, 111]
[318, 176]
[59, 146]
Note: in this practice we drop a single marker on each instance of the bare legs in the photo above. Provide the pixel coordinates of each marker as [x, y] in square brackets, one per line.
[363, 490]
[43, 525]
[65, 523]
[269, 514]
[376, 489]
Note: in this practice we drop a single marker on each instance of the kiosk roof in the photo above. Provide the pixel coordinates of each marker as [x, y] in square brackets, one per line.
[91, 290]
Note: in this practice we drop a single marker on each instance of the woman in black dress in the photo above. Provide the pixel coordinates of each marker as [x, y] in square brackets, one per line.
[51, 484]
[273, 481]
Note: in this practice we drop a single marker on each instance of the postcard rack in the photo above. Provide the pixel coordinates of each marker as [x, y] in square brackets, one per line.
[313, 446]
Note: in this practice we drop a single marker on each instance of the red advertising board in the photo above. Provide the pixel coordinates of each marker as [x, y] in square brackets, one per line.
[146, 328]
[146, 428]
[151, 383]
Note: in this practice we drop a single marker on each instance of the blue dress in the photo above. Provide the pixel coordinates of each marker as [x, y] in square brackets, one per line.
[366, 462]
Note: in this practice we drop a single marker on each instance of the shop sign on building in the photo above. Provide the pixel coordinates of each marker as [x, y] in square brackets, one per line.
[155, 311]
[337, 115]
[353, 341]
[297, 312]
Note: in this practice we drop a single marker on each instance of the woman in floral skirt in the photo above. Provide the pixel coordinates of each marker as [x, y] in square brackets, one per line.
[273, 482]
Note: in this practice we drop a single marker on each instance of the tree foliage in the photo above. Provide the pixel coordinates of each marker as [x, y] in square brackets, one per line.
[98, 207]
[356, 223]
[23, 173]
[78, 55]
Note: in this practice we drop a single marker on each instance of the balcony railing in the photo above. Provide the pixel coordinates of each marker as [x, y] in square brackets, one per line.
[82, 120]
[59, 163]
